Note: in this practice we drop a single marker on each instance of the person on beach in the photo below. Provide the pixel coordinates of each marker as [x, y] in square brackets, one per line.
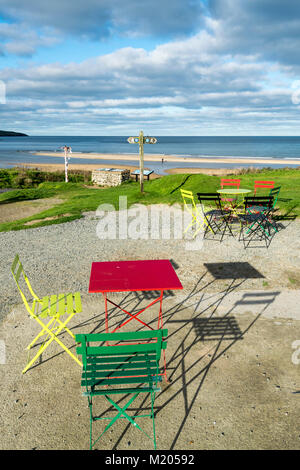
[162, 161]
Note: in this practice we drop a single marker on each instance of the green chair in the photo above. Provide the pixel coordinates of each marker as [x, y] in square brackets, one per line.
[257, 217]
[274, 192]
[50, 307]
[128, 367]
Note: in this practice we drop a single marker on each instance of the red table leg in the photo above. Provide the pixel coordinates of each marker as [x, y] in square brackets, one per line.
[134, 317]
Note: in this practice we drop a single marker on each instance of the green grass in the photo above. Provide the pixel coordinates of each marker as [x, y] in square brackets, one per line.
[165, 190]
[21, 177]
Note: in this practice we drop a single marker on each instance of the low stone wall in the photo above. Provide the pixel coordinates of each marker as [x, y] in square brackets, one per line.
[110, 176]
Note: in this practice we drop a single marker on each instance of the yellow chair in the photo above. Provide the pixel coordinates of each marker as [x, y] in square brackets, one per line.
[198, 219]
[52, 307]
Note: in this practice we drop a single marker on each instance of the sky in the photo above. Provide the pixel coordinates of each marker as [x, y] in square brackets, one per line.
[167, 67]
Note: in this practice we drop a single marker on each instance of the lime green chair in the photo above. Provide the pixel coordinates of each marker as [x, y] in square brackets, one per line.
[198, 221]
[128, 368]
[52, 308]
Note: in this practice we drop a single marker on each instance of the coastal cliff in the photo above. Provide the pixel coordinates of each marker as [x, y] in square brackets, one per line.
[12, 134]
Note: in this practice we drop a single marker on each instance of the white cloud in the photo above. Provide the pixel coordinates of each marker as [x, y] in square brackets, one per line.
[217, 77]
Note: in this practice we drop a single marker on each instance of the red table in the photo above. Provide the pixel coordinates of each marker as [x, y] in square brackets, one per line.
[133, 276]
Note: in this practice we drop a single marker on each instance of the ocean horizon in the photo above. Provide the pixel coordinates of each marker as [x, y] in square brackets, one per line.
[16, 151]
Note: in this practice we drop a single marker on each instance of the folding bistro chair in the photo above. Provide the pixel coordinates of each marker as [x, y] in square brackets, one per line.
[216, 219]
[129, 368]
[232, 200]
[198, 220]
[274, 192]
[263, 185]
[52, 308]
[257, 218]
[230, 182]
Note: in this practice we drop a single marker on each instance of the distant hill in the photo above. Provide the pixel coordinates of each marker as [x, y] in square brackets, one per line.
[12, 134]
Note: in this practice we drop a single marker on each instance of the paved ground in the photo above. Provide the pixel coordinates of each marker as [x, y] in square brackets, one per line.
[233, 353]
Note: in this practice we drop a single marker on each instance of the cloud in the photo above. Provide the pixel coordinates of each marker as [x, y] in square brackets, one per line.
[267, 28]
[171, 87]
[23, 41]
[231, 68]
[101, 18]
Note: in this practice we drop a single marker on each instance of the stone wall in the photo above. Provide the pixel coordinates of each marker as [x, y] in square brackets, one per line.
[110, 176]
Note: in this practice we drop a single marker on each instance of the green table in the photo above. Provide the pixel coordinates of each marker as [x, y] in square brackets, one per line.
[238, 193]
[234, 191]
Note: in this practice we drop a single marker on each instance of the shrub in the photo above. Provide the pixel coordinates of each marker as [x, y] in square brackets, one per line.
[21, 177]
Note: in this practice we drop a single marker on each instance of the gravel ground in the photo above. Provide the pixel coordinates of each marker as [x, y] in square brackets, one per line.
[225, 393]
[59, 257]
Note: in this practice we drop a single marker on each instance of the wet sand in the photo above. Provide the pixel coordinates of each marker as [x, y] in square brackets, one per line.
[90, 167]
[172, 158]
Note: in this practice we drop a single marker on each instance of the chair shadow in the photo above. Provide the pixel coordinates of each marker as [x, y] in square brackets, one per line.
[260, 237]
[186, 369]
[288, 215]
[218, 331]
[227, 330]
[233, 270]
[214, 329]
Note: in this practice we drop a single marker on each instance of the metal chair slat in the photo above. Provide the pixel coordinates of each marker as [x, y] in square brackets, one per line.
[115, 369]
[42, 308]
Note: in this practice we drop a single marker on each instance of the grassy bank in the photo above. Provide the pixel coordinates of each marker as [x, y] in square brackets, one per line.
[77, 198]
[21, 178]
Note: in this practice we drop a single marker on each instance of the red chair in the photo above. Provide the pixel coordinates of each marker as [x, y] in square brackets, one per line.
[229, 182]
[262, 185]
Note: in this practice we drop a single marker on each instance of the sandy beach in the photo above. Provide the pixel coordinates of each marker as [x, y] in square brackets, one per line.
[115, 161]
[172, 158]
[170, 171]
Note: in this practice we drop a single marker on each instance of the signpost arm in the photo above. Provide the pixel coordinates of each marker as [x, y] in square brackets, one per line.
[141, 140]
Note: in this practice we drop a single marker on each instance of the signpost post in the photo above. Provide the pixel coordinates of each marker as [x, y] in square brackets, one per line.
[67, 151]
[141, 140]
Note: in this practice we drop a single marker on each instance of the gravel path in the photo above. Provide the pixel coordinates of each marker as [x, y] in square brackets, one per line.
[58, 258]
[233, 342]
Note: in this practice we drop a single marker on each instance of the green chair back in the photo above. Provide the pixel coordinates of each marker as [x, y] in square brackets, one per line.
[129, 366]
[274, 192]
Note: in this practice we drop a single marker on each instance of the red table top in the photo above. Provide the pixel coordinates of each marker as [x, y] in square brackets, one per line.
[120, 276]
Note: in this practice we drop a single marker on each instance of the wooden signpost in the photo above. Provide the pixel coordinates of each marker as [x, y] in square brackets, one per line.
[141, 140]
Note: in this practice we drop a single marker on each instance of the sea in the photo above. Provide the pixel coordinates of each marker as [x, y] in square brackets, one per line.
[16, 151]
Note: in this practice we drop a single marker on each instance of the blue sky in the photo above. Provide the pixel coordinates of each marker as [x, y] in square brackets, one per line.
[180, 67]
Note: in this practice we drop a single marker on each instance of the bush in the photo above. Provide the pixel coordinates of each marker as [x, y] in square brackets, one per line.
[31, 178]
